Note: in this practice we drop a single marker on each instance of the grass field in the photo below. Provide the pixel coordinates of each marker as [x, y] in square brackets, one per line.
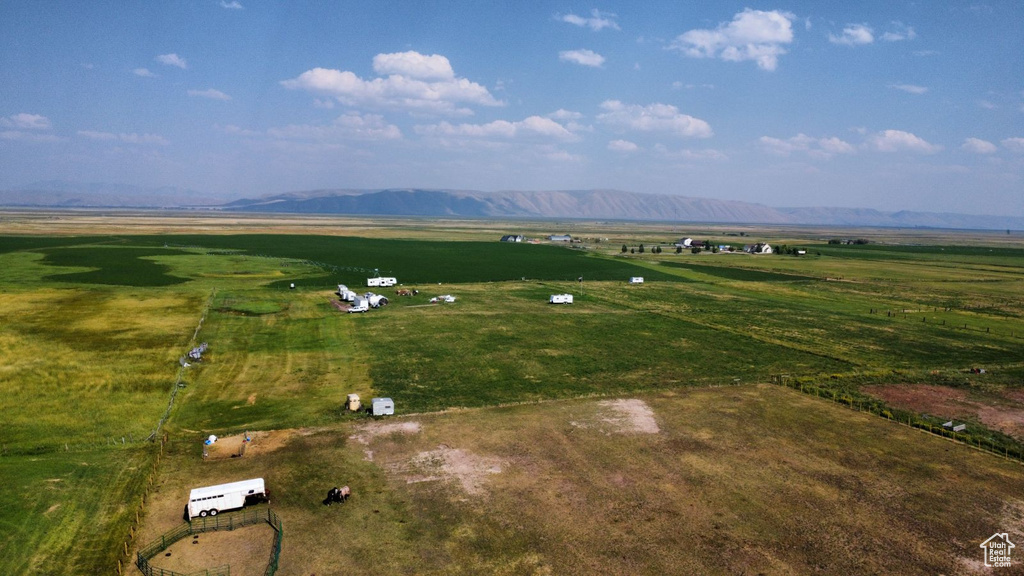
[92, 327]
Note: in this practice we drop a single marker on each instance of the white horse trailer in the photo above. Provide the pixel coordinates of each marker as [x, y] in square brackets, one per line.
[560, 299]
[211, 500]
[636, 280]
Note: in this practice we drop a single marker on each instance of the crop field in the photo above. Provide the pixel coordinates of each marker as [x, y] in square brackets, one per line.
[92, 327]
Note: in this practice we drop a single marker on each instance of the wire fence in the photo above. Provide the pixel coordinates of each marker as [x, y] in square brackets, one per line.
[979, 438]
[227, 521]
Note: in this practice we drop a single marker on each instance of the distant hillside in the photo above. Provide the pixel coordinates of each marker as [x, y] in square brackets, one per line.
[599, 204]
[62, 194]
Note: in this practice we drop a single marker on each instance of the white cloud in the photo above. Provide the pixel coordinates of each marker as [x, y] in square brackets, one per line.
[209, 93]
[986, 105]
[622, 146]
[853, 35]
[172, 60]
[532, 126]
[233, 5]
[144, 72]
[899, 32]
[124, 138]
[562, 114]
[814, 147]
[598, 20]
[1013, 144]
[582, 57]
[653, 118]
[751, 35]
[350, 125]
[978, 146]
[414, 65]
[910, 88]
[398, 90]
[898, 141]
[27, 136]
[25, 121]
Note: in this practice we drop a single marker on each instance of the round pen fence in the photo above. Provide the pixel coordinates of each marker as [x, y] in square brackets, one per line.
[226, 521]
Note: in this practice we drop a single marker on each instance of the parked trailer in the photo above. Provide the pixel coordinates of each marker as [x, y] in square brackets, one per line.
[560, 299]
[211, 500]
[359, 304]
[636, 280]
[382, 407]
[345, 294]
[381, 281]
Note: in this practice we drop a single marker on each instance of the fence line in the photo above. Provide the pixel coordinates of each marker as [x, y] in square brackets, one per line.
[911, 421]
[228, 521]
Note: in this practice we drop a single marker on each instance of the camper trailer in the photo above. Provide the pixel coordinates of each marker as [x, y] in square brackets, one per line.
[382, 407]
[636, 280]
[345, 294]
[211, 500]
[359, 304]
[560, 299]
[381, 281]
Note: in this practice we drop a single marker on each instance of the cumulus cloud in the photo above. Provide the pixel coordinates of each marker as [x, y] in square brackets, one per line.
[144, 72]
[909, 88]
[172, 60]
[124, 138]
[415, 82]
[209, 93]
[899, 33]
[978, 146]
[532, 126]
[598, 20]
[814, 147]
[414, 65]
[854, 35]
[751, 35]
[563, 114]
[622, 146]
[233, 5]
[653, 118]
[25, 121]
[1013, 144]
[350, 125]
[582, 57]
[899, 141]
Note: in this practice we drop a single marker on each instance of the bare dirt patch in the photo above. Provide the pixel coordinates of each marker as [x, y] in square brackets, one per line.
[366, 433]
[625, 416]
[260, 442]
[246, 550]
[448, 464]
[1004, 414]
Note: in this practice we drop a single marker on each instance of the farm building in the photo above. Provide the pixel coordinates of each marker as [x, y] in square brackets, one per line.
[513, 238]
[759, 248]
[560, 299]
[685, 242]
[560, 238]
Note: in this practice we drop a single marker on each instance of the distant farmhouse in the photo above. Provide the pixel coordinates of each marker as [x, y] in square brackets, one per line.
[512, 238]
[560, 238]
[759, 248]
[685, 242]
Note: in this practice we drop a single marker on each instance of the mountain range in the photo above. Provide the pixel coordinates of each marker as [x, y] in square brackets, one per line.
[581, 204]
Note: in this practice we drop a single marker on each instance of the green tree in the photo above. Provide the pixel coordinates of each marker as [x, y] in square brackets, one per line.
[641, 248]
[625, 249]
[679, 249]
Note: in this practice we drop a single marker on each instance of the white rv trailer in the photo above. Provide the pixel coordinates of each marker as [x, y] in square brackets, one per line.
[381, 281]
[211, 500]
[345, 294]
[636, 280]
[560, 299]
[376, 300]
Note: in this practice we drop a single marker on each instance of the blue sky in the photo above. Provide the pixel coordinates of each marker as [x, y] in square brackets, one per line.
[889, 105]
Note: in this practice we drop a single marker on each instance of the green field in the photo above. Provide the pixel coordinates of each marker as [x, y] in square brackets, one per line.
[92, 327]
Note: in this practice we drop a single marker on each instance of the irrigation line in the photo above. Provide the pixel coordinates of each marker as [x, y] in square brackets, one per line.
[181, 371]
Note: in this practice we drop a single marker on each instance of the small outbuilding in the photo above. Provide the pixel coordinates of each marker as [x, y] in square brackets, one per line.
[382, 407]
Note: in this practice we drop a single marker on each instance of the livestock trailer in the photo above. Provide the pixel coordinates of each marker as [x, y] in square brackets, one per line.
[636, 280]
[382, 406]
[560, 299]
[211, 500]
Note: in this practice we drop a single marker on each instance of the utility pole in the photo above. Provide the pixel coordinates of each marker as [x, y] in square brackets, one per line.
[581, 285]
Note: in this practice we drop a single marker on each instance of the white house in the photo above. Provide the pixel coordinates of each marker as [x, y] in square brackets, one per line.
[211, 500]
[560, 299]
[759, 248]
[685, 242]
[512, 238]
